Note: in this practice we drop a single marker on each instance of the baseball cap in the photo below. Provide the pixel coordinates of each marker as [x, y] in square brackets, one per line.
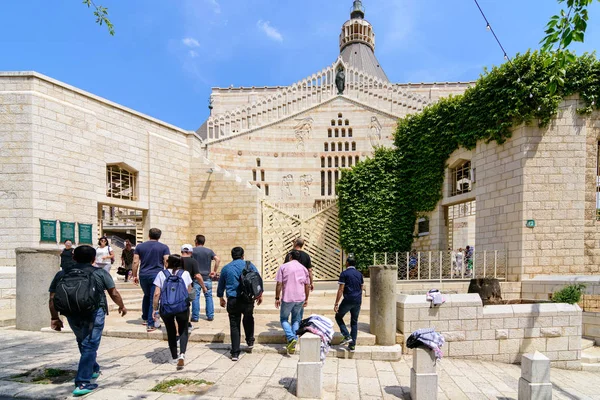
[187, 248]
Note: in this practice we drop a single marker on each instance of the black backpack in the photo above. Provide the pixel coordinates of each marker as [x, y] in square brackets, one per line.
[76, 293]
[251, 284]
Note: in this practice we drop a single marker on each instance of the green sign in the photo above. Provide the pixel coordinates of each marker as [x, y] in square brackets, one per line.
[530, 223]
[67, 231]
[47, 230]
[85, 233]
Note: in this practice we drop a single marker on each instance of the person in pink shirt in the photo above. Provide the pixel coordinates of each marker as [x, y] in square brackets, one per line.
[293, 285]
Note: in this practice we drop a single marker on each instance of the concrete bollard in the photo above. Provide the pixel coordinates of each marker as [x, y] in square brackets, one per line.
[35, 270]
[423, 376]
[310, 368]
[535, 377]
[383, 303]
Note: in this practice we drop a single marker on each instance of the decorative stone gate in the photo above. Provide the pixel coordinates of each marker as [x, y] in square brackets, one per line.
[320, 230]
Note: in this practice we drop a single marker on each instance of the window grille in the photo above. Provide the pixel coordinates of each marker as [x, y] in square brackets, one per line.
[461, 179]
[423, 226]
[121, 183]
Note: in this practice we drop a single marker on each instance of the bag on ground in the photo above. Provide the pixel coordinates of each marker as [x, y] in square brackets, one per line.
[251, 284]
[174, 294]
[77, 293]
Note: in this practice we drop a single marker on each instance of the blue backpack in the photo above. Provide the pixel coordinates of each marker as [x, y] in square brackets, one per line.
[174, 297]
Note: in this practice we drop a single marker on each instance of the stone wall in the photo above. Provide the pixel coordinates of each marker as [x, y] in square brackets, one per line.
[8, 290]
[500, 333]
[591, 326]
[227, 210]
[56, 143]
[510, 290]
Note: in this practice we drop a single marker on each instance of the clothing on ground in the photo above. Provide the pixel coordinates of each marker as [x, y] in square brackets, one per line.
[229, 281]
[204, 256]
[304, 259]
[322, 327]
[152, 255]
[353, 282]
[102, 279]
[294, 277]
[429, 338]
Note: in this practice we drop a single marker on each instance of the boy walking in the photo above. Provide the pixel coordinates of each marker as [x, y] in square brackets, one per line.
[293, 281]
[351, 286]
[87, 326]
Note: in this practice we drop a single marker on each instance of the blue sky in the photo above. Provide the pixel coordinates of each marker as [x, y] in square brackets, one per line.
[167, 54]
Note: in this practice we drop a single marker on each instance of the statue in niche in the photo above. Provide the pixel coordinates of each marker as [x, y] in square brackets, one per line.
[302, 131]
[306, 180]
[375, 132]
[211, 100]
[340, 80]
[286, 187]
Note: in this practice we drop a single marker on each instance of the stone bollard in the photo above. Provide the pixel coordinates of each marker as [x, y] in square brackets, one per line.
[535, 377]
[310, 368]
[35, 270]
[383, 303]
[423, 376]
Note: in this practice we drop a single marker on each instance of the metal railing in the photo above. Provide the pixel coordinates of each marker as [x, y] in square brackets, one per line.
[446, 265]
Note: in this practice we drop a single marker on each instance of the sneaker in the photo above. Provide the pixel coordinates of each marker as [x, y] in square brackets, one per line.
[96, 375]
[194, 320]
[157, 324]
[151, 329]
[249, 348]
[190, 328]
[210, 319]
[84, 389]
[291, 346]
[235, 358]
[351, 348]
[174, 361]
[145, 323]
[181, 361]
[346, 340]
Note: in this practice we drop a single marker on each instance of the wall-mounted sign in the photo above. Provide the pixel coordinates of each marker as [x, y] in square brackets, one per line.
[67, 231]
[47, 230]
[530, 223]
[85, 233]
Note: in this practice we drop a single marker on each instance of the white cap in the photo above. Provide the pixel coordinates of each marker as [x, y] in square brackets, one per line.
[187, 248]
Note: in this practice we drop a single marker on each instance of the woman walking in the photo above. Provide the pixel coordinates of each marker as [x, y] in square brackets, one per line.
[172, 294]
[104, 254]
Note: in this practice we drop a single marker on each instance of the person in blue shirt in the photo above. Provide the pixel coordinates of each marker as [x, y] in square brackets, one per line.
[351, 287]
[229, 282]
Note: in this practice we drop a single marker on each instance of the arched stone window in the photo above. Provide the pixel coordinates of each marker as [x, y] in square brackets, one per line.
[323, 161]
[337, 164]
[339, 146]
[339, 115]
[343, 132]
[343, 162]
[337, 132]
[329, 162]
[356, 159]
[332, 122]
[329, 133]
[326, 147]
[349, 161]
[339, 122]
[253, 174]
[121, 182]
[353, 146]
[262, 175]
[258, 162]
[349, 132]
[347, 146]
[332, 146]
[347, 122]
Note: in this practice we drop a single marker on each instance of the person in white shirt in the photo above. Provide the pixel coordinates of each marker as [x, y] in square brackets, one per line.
[104, 254]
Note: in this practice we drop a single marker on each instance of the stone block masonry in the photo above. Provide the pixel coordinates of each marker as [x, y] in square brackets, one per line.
[8, 291]
[500, 333]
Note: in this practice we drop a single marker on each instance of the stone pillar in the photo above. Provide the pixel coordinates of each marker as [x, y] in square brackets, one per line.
[35, 270]
[535, 377]
[310, 368]
[383, 303]
[423, 376]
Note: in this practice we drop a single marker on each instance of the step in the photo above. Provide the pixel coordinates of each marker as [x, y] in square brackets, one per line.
[586, 343]
[8, 317]
[591, 355]
[590, 367]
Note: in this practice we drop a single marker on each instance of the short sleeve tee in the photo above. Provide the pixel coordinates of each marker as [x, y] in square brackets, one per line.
[204, 256]
[353, 281]
[304, 259]
[294, 277]
[151, 257]
[162, 277]
[103, 281]
[191, 266]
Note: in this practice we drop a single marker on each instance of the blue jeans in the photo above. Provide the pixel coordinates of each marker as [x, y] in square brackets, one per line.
[88, 332]
[296, 310]
[210, 307]
[147, 284]
[354, 309]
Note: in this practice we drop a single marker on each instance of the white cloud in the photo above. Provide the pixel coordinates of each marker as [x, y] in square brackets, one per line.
[193, 53]
[215, 5]
[270, 31]
[190, 42]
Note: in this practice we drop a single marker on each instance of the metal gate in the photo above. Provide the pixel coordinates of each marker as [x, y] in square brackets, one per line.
[320, 230]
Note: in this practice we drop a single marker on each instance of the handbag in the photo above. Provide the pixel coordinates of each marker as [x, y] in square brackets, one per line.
[121, 271]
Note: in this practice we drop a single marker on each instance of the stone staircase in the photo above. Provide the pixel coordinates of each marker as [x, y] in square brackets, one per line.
[590, 355]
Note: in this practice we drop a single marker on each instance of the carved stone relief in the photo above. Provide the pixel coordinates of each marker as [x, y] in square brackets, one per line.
[286, 186]
[375, 132]
[305, 181]
[302, 131]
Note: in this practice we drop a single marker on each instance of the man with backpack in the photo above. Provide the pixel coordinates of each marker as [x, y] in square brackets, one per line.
[243, 285]
[85, 310]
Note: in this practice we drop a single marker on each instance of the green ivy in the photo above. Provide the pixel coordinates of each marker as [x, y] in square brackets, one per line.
[570, 294]
[380, 198]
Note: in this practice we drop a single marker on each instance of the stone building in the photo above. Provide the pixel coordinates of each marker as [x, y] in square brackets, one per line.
[70, 156]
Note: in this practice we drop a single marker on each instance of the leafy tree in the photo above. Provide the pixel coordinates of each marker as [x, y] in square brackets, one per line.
[563, 29]
[101, 14]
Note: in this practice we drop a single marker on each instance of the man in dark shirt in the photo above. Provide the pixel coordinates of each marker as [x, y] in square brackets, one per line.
[304, 259]
[66, 257]
[351, 286]
[152, 256]
[87, 328]
[127, 259]
[204, 256]
[192, 267]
